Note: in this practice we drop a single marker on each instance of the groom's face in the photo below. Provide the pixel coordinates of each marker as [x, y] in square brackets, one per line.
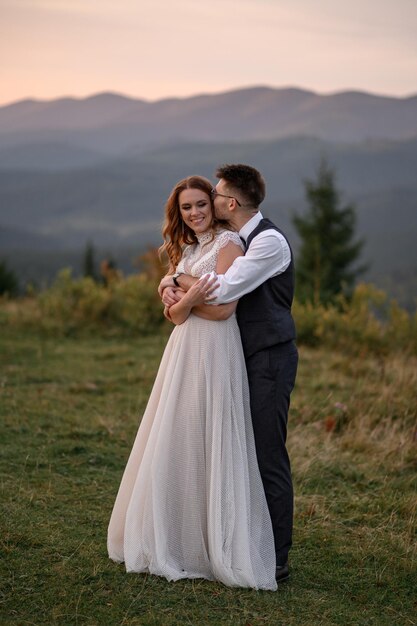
[221, 201]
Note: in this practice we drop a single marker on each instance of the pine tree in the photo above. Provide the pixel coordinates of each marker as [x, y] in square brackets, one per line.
[89, 264]
[327, 252]
[8, 280]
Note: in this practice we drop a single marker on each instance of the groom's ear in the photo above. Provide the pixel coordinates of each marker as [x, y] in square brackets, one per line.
[233, 205]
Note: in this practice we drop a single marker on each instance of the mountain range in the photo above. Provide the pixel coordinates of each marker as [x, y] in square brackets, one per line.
[100, 168]
[113, 123]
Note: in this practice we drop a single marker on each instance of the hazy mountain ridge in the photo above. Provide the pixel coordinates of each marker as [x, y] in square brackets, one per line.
[113, 123]
[100, 168]
[119, 204]
[48, 156]
[66, 112]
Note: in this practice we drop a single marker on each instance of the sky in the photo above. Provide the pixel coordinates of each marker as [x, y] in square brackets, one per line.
[153, 49]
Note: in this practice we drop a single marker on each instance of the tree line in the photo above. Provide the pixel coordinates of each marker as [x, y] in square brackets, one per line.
[326, 263]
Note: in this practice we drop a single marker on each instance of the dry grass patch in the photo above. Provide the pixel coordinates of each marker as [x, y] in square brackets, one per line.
[69, 412]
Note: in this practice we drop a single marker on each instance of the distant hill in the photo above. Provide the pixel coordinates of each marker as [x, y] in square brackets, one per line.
[48, 156]
[113, 124]
[101, 168]
[119, 204]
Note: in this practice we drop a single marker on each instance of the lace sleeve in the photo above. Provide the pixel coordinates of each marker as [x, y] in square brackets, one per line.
[205, 258]
[227, 236]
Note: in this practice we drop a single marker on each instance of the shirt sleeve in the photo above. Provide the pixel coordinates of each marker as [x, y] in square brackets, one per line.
[268, 255]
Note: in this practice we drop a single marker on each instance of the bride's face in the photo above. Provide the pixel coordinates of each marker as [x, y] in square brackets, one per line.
[195, 209]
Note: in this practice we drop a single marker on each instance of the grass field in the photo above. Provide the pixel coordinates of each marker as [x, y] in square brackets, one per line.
[69, 414]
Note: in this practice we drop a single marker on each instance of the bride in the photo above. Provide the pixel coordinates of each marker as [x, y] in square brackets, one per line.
[191, 502]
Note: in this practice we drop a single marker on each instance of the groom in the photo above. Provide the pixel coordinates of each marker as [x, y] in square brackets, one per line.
[263, 281]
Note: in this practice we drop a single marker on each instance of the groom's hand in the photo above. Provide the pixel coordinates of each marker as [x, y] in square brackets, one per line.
[211, 286]
[186, 282]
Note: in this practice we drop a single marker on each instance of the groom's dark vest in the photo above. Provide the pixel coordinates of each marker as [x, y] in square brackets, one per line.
[264, 315]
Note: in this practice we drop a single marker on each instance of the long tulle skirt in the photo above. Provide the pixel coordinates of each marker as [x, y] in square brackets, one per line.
[191, 502]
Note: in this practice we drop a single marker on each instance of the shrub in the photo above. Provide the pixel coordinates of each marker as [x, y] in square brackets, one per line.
[366, 323]
[126, 305]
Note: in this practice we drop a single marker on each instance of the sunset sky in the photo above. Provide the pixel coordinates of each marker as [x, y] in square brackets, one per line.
[159, 48]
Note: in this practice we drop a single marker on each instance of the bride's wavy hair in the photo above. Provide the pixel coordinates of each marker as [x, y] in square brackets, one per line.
[175, 232]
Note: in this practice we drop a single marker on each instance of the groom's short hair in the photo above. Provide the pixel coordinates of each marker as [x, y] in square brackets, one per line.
[245, 179]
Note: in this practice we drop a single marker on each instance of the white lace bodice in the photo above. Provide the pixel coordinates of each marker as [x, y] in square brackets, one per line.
[199, 258]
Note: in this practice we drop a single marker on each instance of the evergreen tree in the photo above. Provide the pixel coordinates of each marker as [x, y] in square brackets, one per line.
[327, 252]
[8, 280]
[89, 264]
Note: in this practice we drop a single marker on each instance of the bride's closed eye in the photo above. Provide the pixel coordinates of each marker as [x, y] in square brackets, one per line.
[200, 205]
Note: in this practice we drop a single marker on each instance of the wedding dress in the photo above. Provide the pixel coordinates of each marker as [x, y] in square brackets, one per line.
[191, 502]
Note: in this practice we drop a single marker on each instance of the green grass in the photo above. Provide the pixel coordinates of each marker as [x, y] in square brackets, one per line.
[69, 413]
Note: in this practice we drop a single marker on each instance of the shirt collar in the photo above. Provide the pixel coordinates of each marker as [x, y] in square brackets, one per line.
[246, 230]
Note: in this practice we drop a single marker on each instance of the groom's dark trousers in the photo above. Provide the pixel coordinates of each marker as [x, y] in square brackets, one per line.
[271, 374]
[268, 332]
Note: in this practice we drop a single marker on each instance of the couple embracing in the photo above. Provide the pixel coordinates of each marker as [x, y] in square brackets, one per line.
[207, 490]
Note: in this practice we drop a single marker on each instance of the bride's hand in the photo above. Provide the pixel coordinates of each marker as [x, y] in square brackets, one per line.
[171, 296]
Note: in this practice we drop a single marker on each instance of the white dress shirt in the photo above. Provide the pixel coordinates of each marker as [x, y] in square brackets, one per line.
[268, 255]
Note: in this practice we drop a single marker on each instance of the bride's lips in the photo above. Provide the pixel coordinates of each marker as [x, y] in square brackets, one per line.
[198, 220]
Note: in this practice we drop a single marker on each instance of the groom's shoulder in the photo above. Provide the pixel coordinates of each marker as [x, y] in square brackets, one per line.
[272, 233]
[266, 224]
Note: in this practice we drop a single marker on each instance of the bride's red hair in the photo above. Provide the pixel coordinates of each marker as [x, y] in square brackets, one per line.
[174, 231]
